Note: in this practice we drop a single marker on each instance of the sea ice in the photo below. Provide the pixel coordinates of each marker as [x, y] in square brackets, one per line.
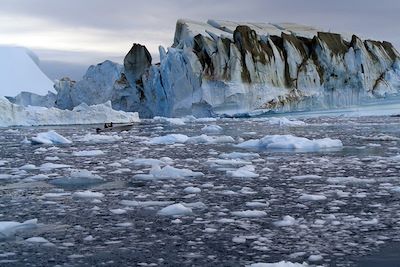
[100, 138]
[168, 172]
[309, 197]
[87, 194]
[290, 142]
[243, 172]
[212, 129]
[175, 210]
[87, 153]
[286, 221]
[249, 213]
[10, 228]
[49, 138]
[192, 190]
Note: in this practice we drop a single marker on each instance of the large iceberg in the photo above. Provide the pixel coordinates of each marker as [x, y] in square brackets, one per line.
[12, 114]
[229, 68]
[20, 73]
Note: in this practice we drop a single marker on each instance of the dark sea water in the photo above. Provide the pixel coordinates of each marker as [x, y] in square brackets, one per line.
[354, 222]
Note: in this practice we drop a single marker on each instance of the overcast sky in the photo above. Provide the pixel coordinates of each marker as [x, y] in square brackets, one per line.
[69, 35]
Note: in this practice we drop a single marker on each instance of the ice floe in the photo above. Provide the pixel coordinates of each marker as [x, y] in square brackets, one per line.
[175, 210]
[290, 142]
[249, 213]
[49, 138]
[99, 138]
[88, 153]
[212, 129]
[87, 194]
[167, 172]
[9, 228]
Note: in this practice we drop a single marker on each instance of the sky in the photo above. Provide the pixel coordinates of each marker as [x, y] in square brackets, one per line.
[70, 35]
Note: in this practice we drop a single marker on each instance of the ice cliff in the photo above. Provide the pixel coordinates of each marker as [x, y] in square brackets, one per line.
[221, 67]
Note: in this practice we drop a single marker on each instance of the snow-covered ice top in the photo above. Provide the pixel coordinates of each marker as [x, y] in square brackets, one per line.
[20, 72]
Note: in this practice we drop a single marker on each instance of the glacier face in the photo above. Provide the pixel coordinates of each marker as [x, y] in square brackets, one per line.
[228, 68]
[221, 67]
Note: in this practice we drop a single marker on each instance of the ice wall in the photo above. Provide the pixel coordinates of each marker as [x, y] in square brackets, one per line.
[222, 67]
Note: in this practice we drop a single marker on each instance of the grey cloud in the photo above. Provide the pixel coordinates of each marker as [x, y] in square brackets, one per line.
[152, 22]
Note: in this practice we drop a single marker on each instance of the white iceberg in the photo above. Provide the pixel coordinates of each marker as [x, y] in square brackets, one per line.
[50, 137]
[290, 142]
[15, 115]
[9, 228]
[175, 210]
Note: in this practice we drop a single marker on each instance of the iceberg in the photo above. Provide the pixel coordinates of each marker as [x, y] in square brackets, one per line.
[16, 115]
[224, 68]
[9, 228]
[290, 142]
[20, 72]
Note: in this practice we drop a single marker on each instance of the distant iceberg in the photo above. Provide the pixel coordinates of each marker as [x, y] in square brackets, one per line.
[15, 115]
[20, 73]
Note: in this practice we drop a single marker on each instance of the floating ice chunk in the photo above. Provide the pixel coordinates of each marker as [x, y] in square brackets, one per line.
[175, 210]
[78, 178]
[239, 239]
[52, 158]
[4, 176]
[87, 194]
[148, 162]
[87, 153]
[28, 167]
[3, 162]
[50, 137]
[243, 172]
[350, 180]
[205, 139]
[373, 221]
[310, 197]
[82, 173]
[210, 230]
[285, 122]
[239, 155]
[50, 166]
[168, 139]
[37, 177]
[278, 264]
[249, 213]
[99, 138]
[124, 224]
[306, 177]
[379, 137]
[118, 211]
[37, 240]
[10, 228]
[168, 172]
[174, 121]
[286, 221]
[256, 204]
[314, 258]
[134, 203]
[181, 138]
[212, 129]
[55, 195]
[192, 190]
[290, 142]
